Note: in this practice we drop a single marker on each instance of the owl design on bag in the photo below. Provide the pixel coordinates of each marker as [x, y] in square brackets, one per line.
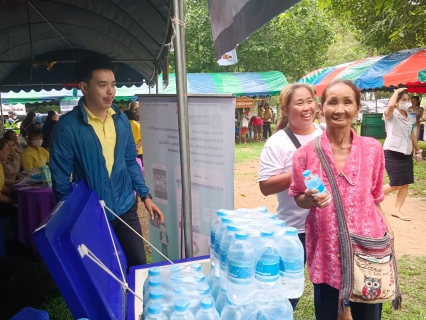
[372, 288]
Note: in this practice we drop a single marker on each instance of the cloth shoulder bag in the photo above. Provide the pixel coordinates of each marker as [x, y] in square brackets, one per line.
[369, 270]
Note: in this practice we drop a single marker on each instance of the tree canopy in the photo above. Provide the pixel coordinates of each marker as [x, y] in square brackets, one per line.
[384, 26]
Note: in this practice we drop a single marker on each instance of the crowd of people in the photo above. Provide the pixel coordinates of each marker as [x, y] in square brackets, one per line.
[259, 125]
[358, 165]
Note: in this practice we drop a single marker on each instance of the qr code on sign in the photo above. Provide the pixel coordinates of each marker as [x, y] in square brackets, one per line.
[160, 183]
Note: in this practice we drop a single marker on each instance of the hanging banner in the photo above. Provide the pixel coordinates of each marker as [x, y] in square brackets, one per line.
[211, 123]
[228, 59]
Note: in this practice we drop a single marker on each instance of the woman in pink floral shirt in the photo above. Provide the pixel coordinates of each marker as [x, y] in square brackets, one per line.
[358, 165]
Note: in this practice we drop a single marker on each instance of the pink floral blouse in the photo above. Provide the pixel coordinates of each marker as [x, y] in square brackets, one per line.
[361, 187]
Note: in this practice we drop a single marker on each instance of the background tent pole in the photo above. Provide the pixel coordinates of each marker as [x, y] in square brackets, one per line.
[182, 100]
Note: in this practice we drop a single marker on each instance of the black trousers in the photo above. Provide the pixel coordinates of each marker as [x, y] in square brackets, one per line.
[302, 239]
[132, 245]
[326, 305]
[267, 130]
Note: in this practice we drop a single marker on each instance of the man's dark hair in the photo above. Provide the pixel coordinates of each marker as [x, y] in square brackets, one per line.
[34, 133]
[8, 134]
[84, 68]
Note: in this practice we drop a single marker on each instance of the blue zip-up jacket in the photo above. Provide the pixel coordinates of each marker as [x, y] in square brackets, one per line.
[76, 149]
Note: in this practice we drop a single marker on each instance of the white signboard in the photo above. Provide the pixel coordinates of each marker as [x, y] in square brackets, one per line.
[211, 133]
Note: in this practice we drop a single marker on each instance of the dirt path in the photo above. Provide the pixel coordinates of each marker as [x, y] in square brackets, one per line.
[409, 236]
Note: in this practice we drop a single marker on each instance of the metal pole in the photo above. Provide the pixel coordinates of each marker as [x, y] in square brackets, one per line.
[2, 119]
[182, 99]
[156, 80]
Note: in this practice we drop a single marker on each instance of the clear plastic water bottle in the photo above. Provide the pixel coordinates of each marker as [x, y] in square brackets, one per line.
[216, 287]
[312, 181]
[221, 301]
[156, 295]
[155, 312]
[196, 267]
[292, 276]
[207, 310]
[215, 224]
[227, 238]
[154, 282]
[178, 293]
[277, 310]
[241, 262]
[268, 263]
[233, 311]
[204, 291]
[182, 311]
[211, 277]
[218, 238]
[152, 272]
[262, 209]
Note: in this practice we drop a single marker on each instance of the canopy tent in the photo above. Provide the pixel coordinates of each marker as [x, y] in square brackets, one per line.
[33, 96]
[402, 68]
[40, 40]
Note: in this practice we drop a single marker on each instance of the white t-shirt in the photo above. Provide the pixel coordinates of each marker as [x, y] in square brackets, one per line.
[276, 158]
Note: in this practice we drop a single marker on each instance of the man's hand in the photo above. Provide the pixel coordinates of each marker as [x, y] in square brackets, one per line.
[154, 211]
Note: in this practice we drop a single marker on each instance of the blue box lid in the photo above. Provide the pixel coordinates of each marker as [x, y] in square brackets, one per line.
[88, 290]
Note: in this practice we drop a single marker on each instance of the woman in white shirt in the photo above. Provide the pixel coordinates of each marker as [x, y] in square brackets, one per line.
[298, 109]
[398, 149]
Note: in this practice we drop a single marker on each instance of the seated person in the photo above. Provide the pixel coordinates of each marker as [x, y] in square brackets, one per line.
[12, 165]
[35, 156]
[5, 198]
[12, 134]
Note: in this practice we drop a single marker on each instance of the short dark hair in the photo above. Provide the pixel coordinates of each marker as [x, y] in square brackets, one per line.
[8, 134]
[131, 114]
[3, 143]
[7, 138]
[84, 68]
[34, 133]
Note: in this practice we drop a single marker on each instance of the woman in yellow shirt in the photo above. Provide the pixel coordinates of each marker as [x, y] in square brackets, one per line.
[35, 156]
[136, 130]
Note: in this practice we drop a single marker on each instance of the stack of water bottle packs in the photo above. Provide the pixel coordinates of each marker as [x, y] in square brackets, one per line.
[256, 266]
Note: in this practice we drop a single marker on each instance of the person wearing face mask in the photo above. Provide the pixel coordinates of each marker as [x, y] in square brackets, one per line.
[35, 156]
[398, 149]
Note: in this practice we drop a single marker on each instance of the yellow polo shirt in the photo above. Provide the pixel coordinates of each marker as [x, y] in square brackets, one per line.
[106, 134]
[34, 159]
[137, 134]
[1, 178]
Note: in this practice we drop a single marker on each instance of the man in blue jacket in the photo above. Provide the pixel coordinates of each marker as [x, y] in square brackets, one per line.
[94, 143]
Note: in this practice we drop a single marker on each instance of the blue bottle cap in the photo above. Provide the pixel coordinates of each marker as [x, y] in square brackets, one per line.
[181, 305]
[203, 290]
[266, 233]
[226, 220]
[180, 290]
[262, 209]
[241, 235]
[306, 173]
[230, 227]
[176, 278]
[207, 303]
[155, 308]
[175, 268]
[230, 302]
[154, 271]
[156, 294]
[291, 231]
[271, 215]
[199, 277]
[279, 222]
[221, 212]
[155, 281]
[195, 267]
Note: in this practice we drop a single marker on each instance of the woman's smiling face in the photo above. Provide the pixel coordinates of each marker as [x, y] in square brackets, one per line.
[340, 106]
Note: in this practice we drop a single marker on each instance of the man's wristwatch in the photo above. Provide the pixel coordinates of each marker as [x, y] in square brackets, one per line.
[148, 195]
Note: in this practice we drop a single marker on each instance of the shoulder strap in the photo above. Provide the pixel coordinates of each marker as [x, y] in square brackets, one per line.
[344, 236]
[321, 127]
[292, 137]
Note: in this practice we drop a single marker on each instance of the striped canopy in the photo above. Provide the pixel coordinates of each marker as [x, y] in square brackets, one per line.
[402, 68]
[250, 84]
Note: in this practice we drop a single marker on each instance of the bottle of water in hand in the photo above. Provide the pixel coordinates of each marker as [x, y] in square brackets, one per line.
[312, 181]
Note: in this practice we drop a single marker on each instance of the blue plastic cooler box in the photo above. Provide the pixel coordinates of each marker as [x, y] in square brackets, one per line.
[88, 290]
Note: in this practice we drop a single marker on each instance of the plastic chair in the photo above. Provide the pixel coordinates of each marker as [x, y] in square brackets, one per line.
[2, 249]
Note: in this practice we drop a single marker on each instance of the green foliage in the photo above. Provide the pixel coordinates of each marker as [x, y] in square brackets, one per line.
[294, 43]
[41, 108]
[384, 26]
